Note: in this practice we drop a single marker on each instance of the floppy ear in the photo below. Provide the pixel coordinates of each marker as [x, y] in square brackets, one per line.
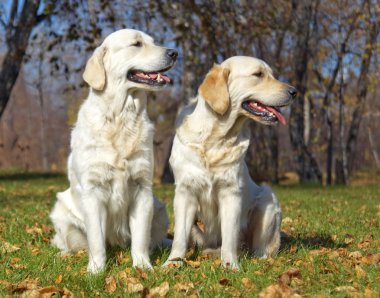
[214, 89]
[94, 73]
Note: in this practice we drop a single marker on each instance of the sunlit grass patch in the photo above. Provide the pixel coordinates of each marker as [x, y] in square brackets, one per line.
[330, 247]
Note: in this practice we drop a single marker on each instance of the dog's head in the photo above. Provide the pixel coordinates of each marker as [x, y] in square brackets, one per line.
[246, 86]
[131, 59]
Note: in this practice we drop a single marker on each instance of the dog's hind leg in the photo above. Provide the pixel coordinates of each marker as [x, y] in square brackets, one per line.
[69, 236]
[264, 224]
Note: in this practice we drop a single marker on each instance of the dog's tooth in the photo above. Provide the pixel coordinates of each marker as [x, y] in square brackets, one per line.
[159, 78]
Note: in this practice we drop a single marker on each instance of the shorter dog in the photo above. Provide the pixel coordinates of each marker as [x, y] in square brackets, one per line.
[212, 180]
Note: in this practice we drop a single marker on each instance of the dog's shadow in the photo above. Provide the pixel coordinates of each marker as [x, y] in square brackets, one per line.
[290, 244]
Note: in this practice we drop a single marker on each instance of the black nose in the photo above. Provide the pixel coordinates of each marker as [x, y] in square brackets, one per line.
[172, 54]
[292, 92]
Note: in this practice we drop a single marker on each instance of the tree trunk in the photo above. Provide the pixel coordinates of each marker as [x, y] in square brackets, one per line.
[362, 88]
[306, 164]
[17, 37]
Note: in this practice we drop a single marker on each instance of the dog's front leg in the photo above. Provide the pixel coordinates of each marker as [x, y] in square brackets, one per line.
[230, 212]
[140, 222]
[95, 221]
[185, 207]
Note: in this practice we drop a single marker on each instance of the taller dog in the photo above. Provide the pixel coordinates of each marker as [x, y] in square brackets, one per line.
[211, 176]
[110, 168]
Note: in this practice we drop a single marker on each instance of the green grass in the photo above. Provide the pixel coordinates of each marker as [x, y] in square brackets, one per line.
[322, 226]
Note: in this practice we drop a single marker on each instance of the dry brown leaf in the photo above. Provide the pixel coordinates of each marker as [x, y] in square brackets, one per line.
[33, 229]
[201, 225]
[58, 280]
[48, 291]
[370, 293]
[321, 251]
[225, 282]
[5, 284]
[355, 255]
[371, 258]
[286, 277]
[132, 280]
[278, 291]
[110, 284]
[183, 286]
[360, 272]
[141, 273]
[194, 264]
[348, 239]
[134, 288]
[345, 289]
[247, 283]
[27, 284]
[217, 262]
[121, 259]
[287, 220]
[6, 247]
[161, 290]
[30, 294]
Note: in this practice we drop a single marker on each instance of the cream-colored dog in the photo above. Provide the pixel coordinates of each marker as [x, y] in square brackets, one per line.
[110, 167]
[212, 180]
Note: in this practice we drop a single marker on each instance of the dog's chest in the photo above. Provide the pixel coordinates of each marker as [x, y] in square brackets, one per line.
[130, 144]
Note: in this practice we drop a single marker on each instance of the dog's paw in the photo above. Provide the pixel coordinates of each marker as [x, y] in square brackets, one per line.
[234, 265]
[142, 262]
[95, 267]
[173, 262]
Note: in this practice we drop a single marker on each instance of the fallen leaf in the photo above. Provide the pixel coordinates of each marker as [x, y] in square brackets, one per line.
[216, 262]
[348, 239]
[27, 284]
[8, 248]
[33, 229]
[161, 290]
[370, 293]
[371, 259]
[110, 285]
[279, 291]
[30, 294]
[225, 282]
[286, 277]
[141, 273]
[194, 264]
[355, 255]
[183, 286]
[134, 288]
[58, 280]
[360, 272]
[121, 259]
[287, 220]
[247, 283]
[345, 289]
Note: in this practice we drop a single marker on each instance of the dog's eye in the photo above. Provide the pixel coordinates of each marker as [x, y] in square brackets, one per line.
[258, 74]
[137, 44]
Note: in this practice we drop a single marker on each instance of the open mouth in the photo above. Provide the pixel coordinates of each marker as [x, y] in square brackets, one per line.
[154, 78]
[266, 113]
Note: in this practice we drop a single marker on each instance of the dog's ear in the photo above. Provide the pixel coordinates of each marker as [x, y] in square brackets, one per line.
[214, 89]
[94, 73]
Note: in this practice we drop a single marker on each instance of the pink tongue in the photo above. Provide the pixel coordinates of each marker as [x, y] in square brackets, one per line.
[279, 116]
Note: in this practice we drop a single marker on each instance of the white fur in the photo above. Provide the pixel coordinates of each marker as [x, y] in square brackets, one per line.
[212, 179]
[110, 168]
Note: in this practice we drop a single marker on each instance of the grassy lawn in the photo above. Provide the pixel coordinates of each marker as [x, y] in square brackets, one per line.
[331, 247]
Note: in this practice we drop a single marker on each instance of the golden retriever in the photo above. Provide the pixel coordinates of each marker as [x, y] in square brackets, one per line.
[110, 199]
[212, 179]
